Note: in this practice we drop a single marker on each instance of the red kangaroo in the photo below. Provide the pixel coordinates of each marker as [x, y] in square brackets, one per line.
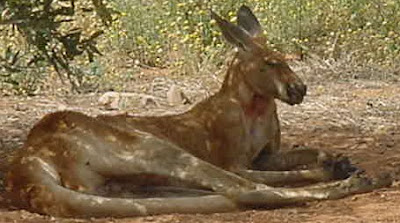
[221, 155]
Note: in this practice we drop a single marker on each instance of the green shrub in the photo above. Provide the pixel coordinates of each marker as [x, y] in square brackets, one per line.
[48, 33]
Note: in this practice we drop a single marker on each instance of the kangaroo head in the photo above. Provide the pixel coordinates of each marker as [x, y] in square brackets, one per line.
[263, 70]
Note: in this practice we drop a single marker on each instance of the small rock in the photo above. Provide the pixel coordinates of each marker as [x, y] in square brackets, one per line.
[20, 107]
[110, 100]
[62, 107]
[175, 96]
[148, 101]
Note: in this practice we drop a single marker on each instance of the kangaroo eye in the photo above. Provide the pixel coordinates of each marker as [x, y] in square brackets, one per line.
[272, 62]
[268, 64]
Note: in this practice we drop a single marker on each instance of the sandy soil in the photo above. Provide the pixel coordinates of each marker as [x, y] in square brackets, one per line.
[358, 118]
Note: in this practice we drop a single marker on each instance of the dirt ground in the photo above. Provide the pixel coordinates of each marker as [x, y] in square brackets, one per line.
[358, 118]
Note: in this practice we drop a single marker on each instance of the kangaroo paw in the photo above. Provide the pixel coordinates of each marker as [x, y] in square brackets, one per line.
[340, 167]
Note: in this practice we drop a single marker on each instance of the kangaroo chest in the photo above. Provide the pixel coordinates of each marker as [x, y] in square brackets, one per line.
[261, 125]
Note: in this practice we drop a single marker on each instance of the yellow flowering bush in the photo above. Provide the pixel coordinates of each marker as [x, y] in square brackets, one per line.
[179, 32]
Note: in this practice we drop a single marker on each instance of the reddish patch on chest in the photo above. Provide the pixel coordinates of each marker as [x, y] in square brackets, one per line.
[256, 108]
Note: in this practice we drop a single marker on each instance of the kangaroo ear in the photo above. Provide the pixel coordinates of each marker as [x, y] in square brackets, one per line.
[234, 34]
[248, 21]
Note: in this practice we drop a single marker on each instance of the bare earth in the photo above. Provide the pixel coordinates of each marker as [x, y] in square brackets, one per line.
[358, 118]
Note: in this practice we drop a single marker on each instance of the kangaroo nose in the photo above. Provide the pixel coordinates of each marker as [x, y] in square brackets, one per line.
[296, 93]
[300, 89]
